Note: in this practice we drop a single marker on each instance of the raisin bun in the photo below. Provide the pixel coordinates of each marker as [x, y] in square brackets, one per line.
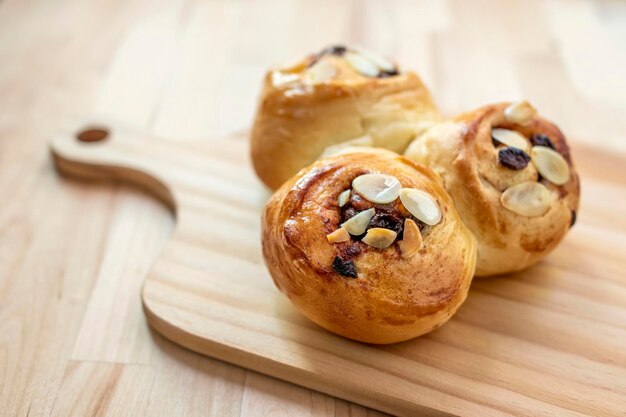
[369, 246]
[336, 96]
[512, 179]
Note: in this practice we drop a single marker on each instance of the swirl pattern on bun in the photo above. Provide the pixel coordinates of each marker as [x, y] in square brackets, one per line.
[369, 245]
[512, 179]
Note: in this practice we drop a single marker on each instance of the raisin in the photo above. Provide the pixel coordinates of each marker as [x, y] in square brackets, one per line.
[352, 250]
[345, 268]
[513, 158]
[573, 221]
[540, 139]
[386, 221]
[387, 74]
[347, 212]
[338, 50]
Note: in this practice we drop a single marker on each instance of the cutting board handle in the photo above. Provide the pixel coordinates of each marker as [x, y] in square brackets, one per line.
[109, 151]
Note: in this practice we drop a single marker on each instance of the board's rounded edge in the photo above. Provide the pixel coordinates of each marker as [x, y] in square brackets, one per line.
[185, 338]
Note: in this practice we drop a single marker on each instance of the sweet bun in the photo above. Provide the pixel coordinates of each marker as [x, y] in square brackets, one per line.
[512, 179]
[338, 95]
[369, 245]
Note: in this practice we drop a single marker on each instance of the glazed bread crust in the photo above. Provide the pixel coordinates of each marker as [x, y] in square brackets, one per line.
[462, 152]
[297, 120]
[393, 298]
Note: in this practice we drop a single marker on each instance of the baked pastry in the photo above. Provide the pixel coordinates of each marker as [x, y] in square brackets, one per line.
[338, 95]
[368, 245]
[512, 179]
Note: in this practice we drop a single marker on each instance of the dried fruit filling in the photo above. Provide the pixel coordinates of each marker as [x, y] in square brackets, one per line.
[365, 62]
[337, 50]
[387, 221]
[539, 139]
[374, 213]
[530, 198]
[387, 74]
[344, 267]
[543, 154]
[388, 216]
[513, 158]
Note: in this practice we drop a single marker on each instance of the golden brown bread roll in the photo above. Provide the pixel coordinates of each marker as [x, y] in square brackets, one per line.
[369, 246]
[511, 176]
[332, 97]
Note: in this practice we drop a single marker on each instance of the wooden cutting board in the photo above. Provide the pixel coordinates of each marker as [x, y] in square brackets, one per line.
[548, 341]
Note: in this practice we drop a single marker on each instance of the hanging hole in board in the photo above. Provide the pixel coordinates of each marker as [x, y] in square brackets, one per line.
[92, 134]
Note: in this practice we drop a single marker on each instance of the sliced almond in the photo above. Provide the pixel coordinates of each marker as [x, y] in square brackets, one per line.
[528, 199]
[379, 237]
[339, 235]
[521, 112]
[377, 188]
[421, 204]
[320, 72]
[282, 78]
[411, 239]
[343, 198]
[356, 225]
[379, 60]
[550, 164]
[510, 138]
[361, 64]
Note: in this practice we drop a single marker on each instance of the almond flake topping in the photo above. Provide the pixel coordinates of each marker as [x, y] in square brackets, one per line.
[521, 112]
[361, 64]
[320, 72]
[550, 164]
[380, 238]
[377, 188]
[528, 199]
[356, 225]
[422, 205]
[510, 138]
[411, 240]
[339, 235]
[343, 198]
[379, 60]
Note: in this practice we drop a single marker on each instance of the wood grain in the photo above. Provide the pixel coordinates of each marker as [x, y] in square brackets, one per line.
[520, 344]
[191, 69]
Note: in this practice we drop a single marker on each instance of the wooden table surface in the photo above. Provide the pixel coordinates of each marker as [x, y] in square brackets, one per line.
[75, 343]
